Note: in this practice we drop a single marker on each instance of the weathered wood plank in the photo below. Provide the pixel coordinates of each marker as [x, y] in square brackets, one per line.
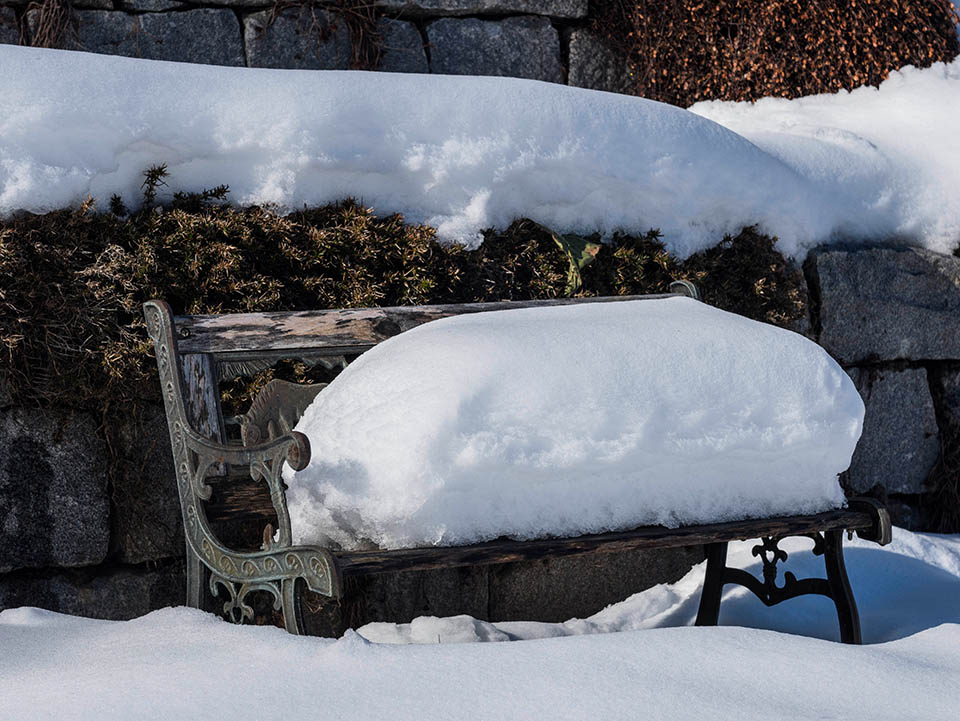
[416, 559]
[330, 332]
[237, 499]
[202, 398]
[233, 501]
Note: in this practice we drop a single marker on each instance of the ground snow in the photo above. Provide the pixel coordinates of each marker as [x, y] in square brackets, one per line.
[901, 589]
[184, 664]
[467, 153]
[566, 420]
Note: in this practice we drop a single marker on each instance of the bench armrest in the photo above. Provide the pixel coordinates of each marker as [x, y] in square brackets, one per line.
[292, 447]
[279, 564]
[881, 531]
[265, 460]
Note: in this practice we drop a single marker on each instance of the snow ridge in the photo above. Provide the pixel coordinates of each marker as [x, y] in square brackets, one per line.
[466, 153]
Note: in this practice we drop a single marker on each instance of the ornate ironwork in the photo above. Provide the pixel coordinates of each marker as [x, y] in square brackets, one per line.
[770, 555]
[276, 409]
[835, 586]
[235, 607]
[273, 569]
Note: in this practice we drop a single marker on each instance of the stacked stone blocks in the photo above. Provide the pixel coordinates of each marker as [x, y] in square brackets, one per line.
[891, 316]
[517, 38]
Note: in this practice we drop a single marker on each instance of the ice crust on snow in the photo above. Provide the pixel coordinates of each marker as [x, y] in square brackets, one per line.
[566, 420]
[56, 666]
[467, 153]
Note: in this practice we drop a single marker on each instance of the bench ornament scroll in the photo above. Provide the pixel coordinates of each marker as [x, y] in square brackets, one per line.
[278, 566]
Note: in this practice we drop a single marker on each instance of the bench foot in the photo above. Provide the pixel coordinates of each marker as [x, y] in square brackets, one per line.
[836, 586]
[285, 593]
[194, 579]
[840, 589]
[709, 612]
[292, 610]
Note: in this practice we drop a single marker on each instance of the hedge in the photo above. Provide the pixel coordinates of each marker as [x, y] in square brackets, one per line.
[683, 51]
[72, 281]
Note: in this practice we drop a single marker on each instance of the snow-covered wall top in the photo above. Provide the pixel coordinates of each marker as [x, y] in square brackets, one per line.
[467, 153]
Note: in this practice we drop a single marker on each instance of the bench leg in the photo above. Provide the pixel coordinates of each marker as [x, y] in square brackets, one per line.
[292, 611]
[709, 611]
[836, 586]
[840, 590]
[194, 579]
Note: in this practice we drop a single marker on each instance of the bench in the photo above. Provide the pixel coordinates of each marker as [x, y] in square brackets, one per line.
[194, 353]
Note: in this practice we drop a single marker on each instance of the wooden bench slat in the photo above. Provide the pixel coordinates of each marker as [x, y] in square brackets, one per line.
[330, 332]
[202, 401]
[234, 500]
[503, 551]
[239, 498]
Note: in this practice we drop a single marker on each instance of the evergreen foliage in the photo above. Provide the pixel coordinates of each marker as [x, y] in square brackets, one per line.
[72, 281]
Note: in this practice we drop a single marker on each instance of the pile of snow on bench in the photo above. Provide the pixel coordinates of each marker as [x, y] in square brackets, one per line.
[560, 421]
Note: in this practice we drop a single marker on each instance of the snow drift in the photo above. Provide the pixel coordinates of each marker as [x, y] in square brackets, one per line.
[56, 666]
[466, 153]
[565, 420]
[892, 154]
[901, 589]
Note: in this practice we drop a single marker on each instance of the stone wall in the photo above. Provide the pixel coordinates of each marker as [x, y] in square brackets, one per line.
[68, 540]
[891, 317]
[539, 39]
[72, 542]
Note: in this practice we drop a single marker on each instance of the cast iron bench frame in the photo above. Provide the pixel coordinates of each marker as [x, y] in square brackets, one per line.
[191, 351]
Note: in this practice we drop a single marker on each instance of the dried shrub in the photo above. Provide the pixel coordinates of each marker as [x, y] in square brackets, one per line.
[746, 274]
[72, 282]
[682, 51]
[52, 23]
[632, 265]
[942, 504]
[522, 262]
[359, 17]
[57, 337]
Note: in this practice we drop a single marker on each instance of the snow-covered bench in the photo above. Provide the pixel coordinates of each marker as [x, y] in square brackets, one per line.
[713, 508]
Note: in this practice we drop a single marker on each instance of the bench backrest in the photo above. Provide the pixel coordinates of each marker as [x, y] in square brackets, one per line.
[202, 345]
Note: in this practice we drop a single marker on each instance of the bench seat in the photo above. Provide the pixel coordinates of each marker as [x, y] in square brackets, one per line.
[194, 352]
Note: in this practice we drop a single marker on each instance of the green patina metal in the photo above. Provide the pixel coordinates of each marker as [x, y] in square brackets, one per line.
[277, 567]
